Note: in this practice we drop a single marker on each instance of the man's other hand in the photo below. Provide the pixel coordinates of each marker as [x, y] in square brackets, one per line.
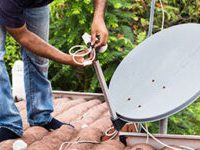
[99, 29]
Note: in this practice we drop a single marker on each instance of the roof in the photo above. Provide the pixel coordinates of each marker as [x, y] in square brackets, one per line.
[79, 111]
[88, 113]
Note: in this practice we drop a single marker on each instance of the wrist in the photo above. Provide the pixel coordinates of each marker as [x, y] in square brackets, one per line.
[98, 15]
[98, 20]
[68, 60]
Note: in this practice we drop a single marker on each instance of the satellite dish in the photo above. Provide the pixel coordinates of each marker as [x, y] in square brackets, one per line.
[160, 77]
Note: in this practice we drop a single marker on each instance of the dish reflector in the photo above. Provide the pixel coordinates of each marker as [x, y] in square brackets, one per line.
[159, 77]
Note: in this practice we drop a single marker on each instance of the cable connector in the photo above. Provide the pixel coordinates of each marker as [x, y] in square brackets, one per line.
[118, 123]
[87, 40]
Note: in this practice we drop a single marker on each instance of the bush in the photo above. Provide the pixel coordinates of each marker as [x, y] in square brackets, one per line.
[12, 53]
[127, 22]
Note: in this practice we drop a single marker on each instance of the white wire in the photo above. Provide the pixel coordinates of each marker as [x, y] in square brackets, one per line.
[160, 142]
[107, 131]
[80, 48]
[77, 53]
[189, 148]
[113, 134]
[163, 15]
[78, 142]
[151, 20]
[136, 128]
[147, 140]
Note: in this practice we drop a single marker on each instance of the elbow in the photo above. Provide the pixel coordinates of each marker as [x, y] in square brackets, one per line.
[21, 35]
[23, 40]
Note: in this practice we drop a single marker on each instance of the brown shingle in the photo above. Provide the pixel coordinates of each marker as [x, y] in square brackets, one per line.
[93, 114]
[34, 134]
[53, 140]
[173, 146]
[90, 118]
[142, 146]
[110, 145]
[103, 123]
[87, 134]
[77, 111]
[6, 145]
[65, 105]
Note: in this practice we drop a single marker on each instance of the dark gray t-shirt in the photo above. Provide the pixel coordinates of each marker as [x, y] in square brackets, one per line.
[11, 11]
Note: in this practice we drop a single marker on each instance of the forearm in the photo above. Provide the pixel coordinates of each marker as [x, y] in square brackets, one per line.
[99, 8]
[38, 46]
[98, 24]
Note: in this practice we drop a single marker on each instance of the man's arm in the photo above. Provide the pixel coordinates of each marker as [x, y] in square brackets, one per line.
[99, 8]
[98, 24]
[38, 46]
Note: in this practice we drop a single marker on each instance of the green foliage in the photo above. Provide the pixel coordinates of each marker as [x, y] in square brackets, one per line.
[69, 21]
[127, 21]
[186, 122]
[12, 53]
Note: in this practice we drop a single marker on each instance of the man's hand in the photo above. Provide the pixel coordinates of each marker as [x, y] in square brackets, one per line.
[99, 29]
[81, 61]
[98, 24]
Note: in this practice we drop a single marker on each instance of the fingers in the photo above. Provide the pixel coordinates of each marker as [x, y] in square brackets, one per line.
[91, 55]
[103, 40]
[99, 28]
[81, 61]
[93, 38]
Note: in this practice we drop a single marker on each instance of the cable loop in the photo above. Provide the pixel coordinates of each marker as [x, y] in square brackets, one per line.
[82, 51]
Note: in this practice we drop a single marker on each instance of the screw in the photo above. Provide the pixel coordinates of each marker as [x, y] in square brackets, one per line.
[164, 87]
[129, 99]
[139, 106]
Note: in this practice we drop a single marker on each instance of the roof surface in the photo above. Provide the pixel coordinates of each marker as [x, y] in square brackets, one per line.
[90, 118]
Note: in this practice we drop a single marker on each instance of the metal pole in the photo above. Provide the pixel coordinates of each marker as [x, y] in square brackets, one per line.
[163, 126]
[151, 21]
[104, 87]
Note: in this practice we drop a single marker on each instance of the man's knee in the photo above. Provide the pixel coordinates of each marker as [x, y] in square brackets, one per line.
[40, 63]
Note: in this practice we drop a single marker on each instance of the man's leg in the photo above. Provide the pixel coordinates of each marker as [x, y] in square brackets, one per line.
[9, 115]
[38, 88]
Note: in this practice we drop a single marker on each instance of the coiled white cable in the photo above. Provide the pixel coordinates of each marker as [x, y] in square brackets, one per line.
[112, 135]
[82, 51]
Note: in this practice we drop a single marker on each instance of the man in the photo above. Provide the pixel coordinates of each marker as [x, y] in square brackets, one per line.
[28, 22]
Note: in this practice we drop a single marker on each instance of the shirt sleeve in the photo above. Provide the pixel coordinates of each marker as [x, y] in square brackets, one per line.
[11, 13]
